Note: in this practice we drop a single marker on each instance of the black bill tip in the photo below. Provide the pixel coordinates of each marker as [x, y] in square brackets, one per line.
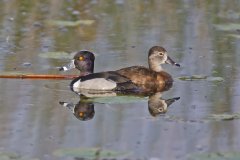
[178, 65]
[61, 102]
[60, 68]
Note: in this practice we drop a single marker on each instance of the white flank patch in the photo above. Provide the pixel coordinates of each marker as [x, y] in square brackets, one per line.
[95, 93]
[95, 84]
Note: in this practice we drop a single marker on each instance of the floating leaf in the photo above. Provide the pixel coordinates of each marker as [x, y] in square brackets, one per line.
[13, 156]
[89, 153]
[70, 23]
[215, 79]
[9, 155]
[117, 99]
[192, 78]
[215, 156]
[228, 26]
[224, 117]
[201, 77]
[55, 55]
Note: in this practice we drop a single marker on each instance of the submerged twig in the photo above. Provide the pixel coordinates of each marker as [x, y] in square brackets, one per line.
[38, 76]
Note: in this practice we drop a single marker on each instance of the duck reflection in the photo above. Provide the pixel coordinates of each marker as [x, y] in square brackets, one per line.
[84, 109]
[157, 105]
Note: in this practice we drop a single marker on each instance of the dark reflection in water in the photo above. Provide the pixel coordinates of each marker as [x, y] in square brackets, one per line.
[84, 109]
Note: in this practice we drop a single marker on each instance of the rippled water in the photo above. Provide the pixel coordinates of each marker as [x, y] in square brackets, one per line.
[35, 125]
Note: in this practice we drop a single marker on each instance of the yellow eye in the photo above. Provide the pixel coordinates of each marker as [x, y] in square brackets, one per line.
[81, 114]
[81, 58]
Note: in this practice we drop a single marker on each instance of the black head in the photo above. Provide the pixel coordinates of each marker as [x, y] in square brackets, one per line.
[84, 111]
[83, 61]
[157, 55]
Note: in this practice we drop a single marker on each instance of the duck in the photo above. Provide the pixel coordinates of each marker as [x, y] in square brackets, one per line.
[137, 78]
[102, 81]
[83, 110]
[153, 78]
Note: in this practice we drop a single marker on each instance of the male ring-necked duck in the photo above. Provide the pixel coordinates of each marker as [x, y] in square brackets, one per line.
[84, 62]
[152, 79]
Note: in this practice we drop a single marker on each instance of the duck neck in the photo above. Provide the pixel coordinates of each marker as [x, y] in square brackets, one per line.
[87, 68]
[90, 68]
[85, 73]
[155, 67]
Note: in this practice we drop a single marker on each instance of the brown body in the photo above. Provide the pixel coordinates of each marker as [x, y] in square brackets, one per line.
[146, 79]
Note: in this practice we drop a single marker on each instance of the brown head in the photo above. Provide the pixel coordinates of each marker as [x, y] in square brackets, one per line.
[157, 56]
[158, 105]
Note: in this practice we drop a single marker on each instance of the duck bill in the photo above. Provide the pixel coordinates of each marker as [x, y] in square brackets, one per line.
[70, 106]
[67, 67]
[170, 61]
[170, 101]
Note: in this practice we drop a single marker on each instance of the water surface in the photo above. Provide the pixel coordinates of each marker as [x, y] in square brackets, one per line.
[34, 124]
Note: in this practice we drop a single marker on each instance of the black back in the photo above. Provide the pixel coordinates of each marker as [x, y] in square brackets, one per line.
[122, 82]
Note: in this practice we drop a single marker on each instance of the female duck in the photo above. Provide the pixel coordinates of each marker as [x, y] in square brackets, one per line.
[145, 79]
[152, 78]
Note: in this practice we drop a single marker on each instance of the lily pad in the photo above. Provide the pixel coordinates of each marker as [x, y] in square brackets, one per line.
[55, 55]
[88, 153]
[70, 23]
[215, 79]
[117, 99]
[215, 156]
[228, 26]
[13, 156]
[224, 117]
[193, 77]
[9, 155]
[201, 77]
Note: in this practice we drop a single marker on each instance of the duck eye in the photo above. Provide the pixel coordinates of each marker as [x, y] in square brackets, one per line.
[81, 114]
[81, 58]
[161, 53]
[160, 110]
